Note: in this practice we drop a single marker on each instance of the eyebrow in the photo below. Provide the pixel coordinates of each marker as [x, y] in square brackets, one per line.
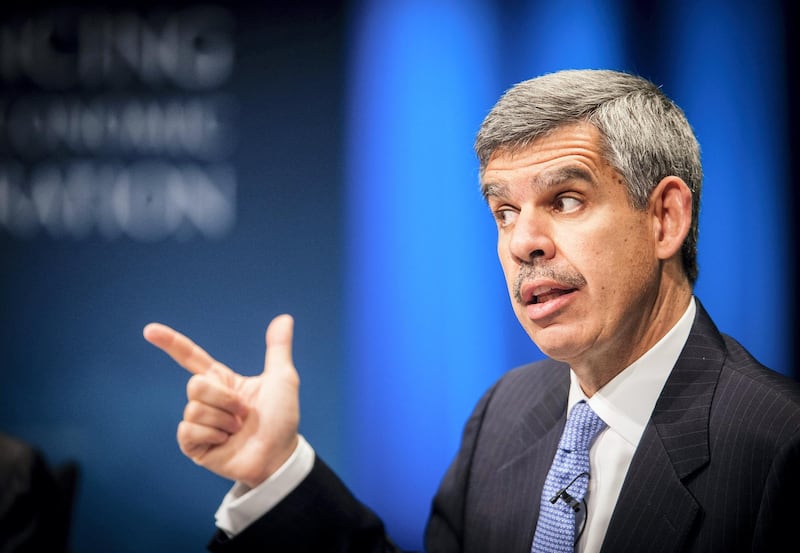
[541, 182]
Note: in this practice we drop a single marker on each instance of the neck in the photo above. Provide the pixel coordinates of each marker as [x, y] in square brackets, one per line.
[644, 330]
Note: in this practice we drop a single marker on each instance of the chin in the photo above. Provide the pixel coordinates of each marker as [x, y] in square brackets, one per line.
[558, 344]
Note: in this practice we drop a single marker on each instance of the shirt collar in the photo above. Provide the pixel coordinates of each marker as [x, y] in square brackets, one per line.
[627, 401]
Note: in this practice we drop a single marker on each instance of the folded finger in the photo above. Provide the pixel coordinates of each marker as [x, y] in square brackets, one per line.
[206, 415]
[210, 391]
[196, 439]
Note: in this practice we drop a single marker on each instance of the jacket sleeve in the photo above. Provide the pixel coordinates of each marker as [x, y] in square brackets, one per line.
[777, 516]
[321, 515]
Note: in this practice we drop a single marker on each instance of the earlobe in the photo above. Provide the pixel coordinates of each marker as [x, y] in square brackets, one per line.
[671, 204]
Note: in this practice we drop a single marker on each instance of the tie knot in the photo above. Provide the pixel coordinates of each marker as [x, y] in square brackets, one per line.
[583, 424]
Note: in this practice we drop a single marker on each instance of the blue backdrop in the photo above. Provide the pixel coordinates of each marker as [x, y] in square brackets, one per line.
[212, 169]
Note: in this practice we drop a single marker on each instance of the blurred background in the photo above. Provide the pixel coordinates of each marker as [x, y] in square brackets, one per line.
[212, 165]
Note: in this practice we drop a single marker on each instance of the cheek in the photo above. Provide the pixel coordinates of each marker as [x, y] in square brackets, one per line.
[614, 257]
[632, 261]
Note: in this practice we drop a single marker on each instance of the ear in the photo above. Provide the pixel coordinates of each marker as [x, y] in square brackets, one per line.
[671, 210]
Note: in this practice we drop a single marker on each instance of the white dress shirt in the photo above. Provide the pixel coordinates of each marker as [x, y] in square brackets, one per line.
[243, 505]
[624, 404]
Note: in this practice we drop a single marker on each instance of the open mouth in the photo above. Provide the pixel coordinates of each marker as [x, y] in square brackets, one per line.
[544, 296]
[531, 289]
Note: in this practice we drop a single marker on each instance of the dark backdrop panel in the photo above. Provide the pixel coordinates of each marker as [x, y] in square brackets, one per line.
[213, 237]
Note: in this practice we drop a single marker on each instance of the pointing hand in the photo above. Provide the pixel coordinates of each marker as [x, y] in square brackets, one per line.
[241, 428]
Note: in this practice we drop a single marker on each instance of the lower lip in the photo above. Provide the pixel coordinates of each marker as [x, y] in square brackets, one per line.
[536, 311]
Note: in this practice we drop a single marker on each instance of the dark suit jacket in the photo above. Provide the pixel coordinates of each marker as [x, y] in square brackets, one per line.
[717, 468]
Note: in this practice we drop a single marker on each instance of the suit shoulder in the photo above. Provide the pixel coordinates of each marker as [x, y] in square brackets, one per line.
[531, 380]
[753, 378]
[754, 400]
[534, 379]
[526, 388]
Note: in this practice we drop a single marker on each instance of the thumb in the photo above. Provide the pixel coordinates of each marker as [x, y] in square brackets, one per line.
[279, 343]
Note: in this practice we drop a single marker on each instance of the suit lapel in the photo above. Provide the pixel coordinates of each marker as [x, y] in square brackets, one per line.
[526, 474]
[654, 507]
[519, 439]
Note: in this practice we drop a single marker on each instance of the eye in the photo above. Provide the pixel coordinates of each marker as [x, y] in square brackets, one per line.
[504, 216]
[567, 204]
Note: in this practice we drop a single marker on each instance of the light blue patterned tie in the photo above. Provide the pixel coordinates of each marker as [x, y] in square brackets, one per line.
[555, 531]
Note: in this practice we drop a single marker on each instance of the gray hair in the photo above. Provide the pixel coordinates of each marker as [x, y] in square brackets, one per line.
[646, 136]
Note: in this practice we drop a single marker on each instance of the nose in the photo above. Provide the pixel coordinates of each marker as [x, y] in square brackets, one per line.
[531, 238]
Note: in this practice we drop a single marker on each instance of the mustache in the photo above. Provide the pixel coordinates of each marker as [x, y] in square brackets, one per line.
[529, 272]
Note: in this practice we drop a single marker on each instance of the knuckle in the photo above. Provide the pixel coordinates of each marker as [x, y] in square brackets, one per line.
[182, 435]
[196, 386]
[217, 369]
[192, 411]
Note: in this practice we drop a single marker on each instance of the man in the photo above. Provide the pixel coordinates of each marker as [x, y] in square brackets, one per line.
[594, 180]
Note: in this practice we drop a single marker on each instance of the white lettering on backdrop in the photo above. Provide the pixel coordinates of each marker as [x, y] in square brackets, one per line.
[117, 124]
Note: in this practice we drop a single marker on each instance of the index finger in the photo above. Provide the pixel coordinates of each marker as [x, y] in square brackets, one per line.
[186, 353]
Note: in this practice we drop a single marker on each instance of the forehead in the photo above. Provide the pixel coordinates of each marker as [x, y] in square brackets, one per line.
[572, 151]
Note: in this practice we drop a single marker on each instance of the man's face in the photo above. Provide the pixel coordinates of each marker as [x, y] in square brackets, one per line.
[578, 259]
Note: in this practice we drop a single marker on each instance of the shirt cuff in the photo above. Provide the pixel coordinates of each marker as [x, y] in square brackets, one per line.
[242, 505]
